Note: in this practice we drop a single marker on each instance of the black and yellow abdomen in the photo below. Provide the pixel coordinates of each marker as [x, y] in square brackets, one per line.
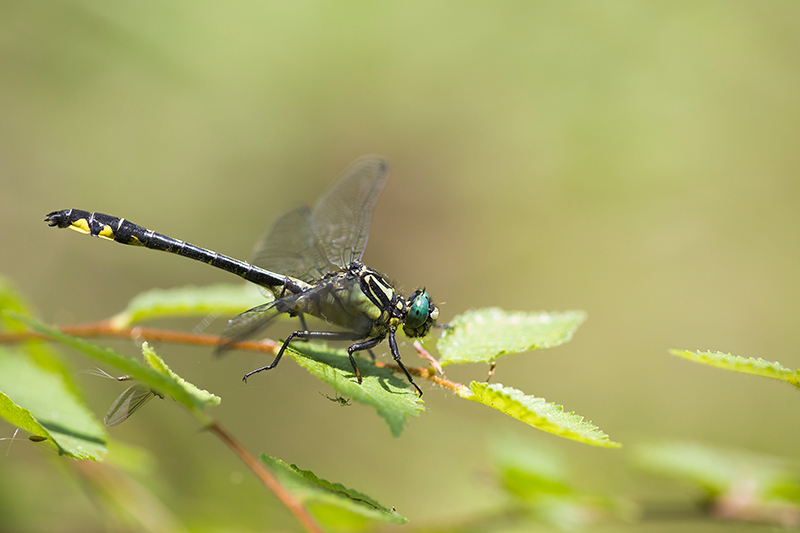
[126, 232]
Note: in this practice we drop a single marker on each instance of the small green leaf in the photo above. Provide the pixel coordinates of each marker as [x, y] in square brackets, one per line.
[322, 497]
[745, 365]
[38, 401]
[484, 334]
[391, 395]
[225, 299]
[537, 412]
[158, 381]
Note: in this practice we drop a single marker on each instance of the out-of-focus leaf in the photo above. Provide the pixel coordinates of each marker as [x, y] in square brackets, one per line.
[39, 351]
[745, 365]
[537, 413]
[37, 400]
[537, 478]
[483, 335]
[391, 395]
[331, 502]
[157, 380]
[718, 471]
[225, 299]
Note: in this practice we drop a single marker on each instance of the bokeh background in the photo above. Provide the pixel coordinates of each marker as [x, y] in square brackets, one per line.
[635, 160]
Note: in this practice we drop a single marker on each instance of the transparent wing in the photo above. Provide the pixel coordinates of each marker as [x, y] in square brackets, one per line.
[289, 248]
[128, 403]
[253, 320]
[340, 219]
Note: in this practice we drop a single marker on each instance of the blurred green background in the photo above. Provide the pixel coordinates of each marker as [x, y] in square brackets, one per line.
[636, 160]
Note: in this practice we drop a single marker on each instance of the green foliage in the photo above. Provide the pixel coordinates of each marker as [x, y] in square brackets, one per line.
[38, 401]
[482, 335]
[332, 503]
[537, 480]
[158, 379]
[745, 365]
[225, 299]
[537, 412]
[392, 397]
[720, 472]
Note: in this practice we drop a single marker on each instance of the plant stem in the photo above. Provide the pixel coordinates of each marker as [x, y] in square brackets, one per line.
[104, 328]
[266, 477]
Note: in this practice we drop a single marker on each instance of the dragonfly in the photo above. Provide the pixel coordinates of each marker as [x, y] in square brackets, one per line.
[310, 263]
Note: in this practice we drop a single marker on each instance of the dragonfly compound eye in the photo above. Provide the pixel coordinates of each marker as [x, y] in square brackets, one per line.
[418, 319]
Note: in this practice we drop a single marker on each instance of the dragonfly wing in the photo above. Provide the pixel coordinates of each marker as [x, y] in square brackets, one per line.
[289, 248]
[253, 320]
[340, 219]
[128, 403]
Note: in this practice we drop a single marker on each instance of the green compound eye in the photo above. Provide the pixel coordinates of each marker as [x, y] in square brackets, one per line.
[418, 313]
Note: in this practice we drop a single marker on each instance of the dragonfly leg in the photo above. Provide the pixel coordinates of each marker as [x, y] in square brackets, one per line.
[396, 356]
[361, 346]
[305, 336]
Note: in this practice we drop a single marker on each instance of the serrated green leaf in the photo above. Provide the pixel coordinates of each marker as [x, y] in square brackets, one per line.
[39, 402]
[225, 299]
[162, 383]
[745, 365]
[319, 495]
[392, 396]
[537, 412]
[482, 335]
[719, 471]
[201, 396]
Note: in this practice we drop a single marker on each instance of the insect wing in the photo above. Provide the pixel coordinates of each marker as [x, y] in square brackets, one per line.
[289, 248]
[341, 217]
[253, 320]
[128, 403]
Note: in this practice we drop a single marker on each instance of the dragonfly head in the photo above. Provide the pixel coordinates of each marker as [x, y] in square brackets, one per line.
[421, 314]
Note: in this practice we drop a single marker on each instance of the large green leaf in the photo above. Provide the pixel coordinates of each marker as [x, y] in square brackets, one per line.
[158, 380]
[332, 503]
[224, 299]
[38, 401]
[390, 394]
[537, 413]
[484, 334]
[745, 365]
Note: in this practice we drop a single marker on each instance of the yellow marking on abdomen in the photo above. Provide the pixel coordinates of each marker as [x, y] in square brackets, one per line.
[106, 233]
[80, 225]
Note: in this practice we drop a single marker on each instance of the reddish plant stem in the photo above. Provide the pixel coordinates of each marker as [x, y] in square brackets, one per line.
[266, 477]
[104, 328]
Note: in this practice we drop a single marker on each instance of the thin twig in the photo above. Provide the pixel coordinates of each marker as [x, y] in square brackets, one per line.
[105, 329]
[266, 477]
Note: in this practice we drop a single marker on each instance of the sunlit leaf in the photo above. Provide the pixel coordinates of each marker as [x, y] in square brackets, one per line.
[745, 365]
[223, 299]
[483, 335]
[389, 393]
[37, 400]
[323, 498]
[537, 413]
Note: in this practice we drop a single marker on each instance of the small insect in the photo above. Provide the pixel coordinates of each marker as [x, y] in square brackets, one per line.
[311, 263]
[341, 400]
[127, 403]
